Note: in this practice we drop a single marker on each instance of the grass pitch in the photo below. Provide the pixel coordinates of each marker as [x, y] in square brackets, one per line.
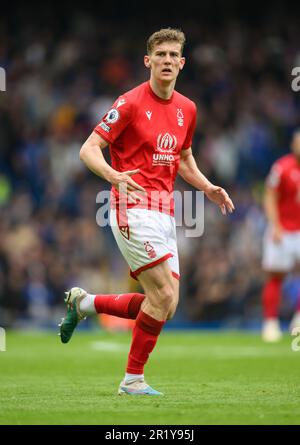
[207, 378]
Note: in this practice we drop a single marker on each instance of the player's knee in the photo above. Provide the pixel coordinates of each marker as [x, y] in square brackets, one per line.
[166, 297]
[172, 311]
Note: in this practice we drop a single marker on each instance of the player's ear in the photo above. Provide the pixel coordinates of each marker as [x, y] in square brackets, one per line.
[182, 62]
[147, 61]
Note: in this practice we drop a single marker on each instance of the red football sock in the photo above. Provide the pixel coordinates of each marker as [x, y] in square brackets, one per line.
[271, 297]
[122, 305]
[144, 337]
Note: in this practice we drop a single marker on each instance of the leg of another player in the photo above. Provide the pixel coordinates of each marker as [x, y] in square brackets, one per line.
[271, 297]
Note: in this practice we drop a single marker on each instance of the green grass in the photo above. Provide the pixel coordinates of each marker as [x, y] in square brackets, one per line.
[207, 378]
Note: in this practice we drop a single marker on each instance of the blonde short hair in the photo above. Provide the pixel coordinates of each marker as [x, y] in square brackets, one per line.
[165, 35]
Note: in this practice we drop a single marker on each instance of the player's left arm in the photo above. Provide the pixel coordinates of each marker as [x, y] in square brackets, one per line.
[189, 171]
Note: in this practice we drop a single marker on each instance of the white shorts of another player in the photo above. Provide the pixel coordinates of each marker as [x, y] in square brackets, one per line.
[283, 256]
[148, 239]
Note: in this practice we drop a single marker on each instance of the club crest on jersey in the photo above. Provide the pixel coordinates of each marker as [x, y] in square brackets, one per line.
[149, 249]
[166, 143]
[112, 116]
[124, 230]
[180, 117]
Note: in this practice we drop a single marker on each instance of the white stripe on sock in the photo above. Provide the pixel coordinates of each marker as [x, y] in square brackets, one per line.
[129, 378]
[87, 305]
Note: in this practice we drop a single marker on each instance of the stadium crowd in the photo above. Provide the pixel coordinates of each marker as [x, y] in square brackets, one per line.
[62, 75]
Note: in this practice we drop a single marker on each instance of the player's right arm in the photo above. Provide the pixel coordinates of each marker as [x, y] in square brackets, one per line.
[271, 202]
[271, 211]
[92, 156]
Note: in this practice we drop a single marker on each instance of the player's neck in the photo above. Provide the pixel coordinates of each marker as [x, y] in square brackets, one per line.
[162, 90]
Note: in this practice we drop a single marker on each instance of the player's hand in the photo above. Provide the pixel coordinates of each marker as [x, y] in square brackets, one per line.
[220, 197]
[277, 234]
[124, 183]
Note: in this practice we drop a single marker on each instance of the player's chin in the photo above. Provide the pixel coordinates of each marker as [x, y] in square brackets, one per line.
[167, 77]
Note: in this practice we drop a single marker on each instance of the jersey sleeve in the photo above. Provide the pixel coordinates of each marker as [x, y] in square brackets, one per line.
[115, 120]
[191, 130]
[273, 179]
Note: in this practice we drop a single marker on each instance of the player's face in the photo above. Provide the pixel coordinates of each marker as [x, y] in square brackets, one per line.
[296, 145]
[165, 61]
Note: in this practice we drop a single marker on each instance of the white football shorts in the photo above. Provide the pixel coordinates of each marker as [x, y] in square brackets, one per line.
[145, 239]
[283, 256]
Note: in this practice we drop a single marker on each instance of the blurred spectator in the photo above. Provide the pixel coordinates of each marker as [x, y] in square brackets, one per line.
[63, 73]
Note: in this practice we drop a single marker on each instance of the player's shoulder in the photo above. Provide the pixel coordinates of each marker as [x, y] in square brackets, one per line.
[135, 93]
[285, 162]
[126, 102]
[129, 99]
[281, 170]
[182, 100]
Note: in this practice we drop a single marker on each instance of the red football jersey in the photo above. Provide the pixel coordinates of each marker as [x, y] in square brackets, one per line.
[285, 178]
[147, 132]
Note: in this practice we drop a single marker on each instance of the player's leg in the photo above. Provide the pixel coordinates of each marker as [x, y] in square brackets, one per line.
[161, 293]
[174, 304]
[271, 297]
[174, 266]
[80, 304]
[159, 287]
[278, 260]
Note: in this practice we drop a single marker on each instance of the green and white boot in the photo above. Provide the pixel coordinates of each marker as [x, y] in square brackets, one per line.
[74, 315]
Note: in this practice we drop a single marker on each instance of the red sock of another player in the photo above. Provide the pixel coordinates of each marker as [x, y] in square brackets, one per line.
[122, 305]
[144, 337]
[271, 297]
